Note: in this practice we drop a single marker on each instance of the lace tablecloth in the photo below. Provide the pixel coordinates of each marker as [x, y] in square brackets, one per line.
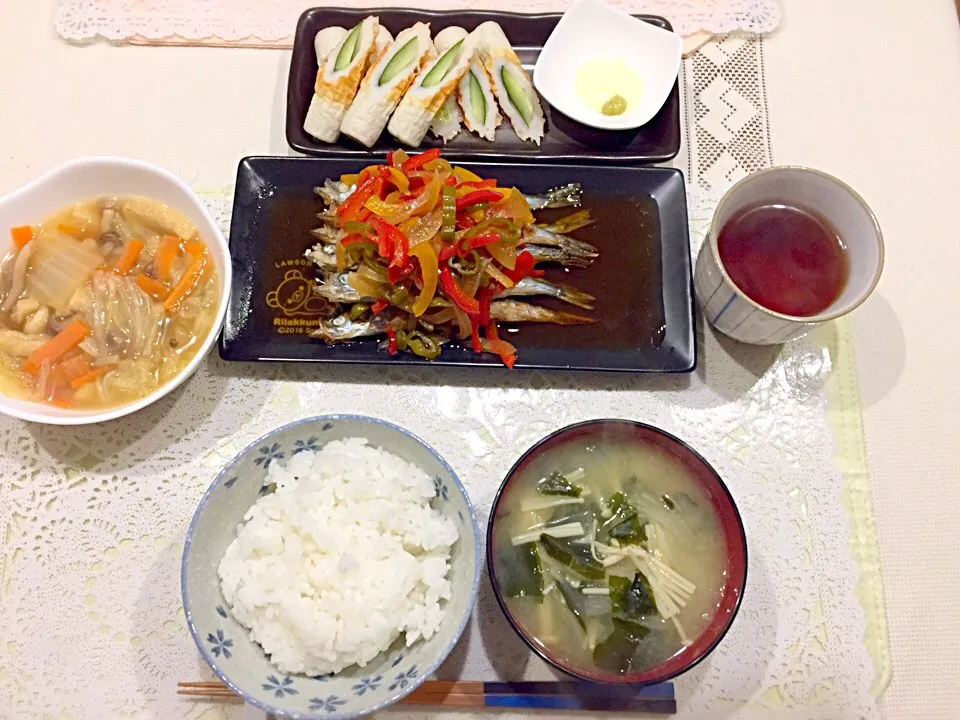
[93, 518]
[271, 22]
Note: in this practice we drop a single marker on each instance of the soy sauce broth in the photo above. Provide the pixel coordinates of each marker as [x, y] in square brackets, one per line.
[785, 258]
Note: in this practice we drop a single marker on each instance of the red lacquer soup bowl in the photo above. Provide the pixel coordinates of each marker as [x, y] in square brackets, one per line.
[627, 432]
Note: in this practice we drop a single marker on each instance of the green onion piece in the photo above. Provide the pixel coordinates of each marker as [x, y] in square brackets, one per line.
[401, 60]
[348, 51]
[442, 66]
[478, 103]
[448, 222]
[517, 94]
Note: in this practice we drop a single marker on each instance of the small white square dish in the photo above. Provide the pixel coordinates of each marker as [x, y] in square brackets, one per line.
[598, 52]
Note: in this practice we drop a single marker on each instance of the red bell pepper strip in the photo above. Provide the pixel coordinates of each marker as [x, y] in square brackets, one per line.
[478, 196]
[455, 293]
[379, 306]
[392, 244]
[479, 184]
[475, 334]
[451, 181]
[396, 274]
[464, 222]
[522, 269]
[446, 252]
[351, 207]
[389, 157]
[485, 297]
[391, 341]
[418, 161]
[467, 245]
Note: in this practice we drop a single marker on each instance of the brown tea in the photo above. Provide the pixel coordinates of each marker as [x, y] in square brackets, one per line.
[784, 258]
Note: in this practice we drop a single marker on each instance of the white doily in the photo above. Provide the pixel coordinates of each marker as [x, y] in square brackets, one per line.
[274, 20]
[93, 517]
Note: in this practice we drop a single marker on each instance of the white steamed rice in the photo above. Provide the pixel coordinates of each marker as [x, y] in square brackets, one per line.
[346, 555]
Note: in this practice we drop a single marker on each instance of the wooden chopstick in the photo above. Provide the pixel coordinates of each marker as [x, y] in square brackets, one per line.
[530, 695]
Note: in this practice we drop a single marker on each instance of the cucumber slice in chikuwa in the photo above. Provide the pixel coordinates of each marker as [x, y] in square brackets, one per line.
[518, 96]
[439, 71]
[478, 103]
[348, 51]
[401, 60]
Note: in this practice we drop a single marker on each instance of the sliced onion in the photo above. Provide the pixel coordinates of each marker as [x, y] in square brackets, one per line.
[19, 279]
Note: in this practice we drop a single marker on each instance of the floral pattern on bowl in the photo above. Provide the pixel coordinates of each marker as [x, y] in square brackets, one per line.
[225, 645]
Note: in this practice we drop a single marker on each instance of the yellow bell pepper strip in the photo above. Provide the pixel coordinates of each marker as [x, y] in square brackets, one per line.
[456, 294]
[397, 179]
[464, 175]
[427, 256]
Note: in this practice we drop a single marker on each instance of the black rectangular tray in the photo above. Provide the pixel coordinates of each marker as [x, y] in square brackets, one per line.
[642, 279]
[564, 141]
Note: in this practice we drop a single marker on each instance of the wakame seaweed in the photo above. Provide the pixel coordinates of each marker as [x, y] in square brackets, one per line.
[631, 600]
[576, 557]
[557, 484]
[616, 652]
[623, 525]
[519, 570]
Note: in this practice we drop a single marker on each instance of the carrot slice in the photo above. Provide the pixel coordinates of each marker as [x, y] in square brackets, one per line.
[21, 235]
[167, 252]
[195, 249]
[72, 365]
[68, 229]
[62, 343]
[188, 283]
[156, 290]
[131, 254]
[90, 376]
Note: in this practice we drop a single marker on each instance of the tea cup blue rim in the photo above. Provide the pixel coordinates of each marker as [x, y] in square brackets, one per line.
[400, 693]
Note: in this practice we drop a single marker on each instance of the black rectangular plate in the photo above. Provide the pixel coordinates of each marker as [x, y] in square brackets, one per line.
[564, 141]
[642, 279]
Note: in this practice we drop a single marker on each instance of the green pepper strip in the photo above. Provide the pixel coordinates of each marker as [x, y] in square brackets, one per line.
[448, 225]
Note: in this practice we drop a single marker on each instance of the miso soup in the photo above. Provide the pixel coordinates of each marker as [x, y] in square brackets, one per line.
[609, 555]
[103, 302]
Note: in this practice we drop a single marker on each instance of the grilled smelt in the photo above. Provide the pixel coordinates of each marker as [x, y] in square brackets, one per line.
[386, 83]
[436, 82]
[516, 311]
[513, 88]
[338, 79]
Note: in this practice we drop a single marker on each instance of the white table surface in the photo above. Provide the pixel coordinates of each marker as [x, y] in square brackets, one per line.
[866, 89]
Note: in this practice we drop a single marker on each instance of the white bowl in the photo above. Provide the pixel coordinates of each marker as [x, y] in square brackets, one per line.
[90, 177]
[590, 29]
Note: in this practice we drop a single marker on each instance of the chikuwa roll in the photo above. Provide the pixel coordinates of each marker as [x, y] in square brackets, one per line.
[383, 41]
[338, 79]
[474, 92]
[425, 98]
[511, 84]
[386, 83]
[326, 40]
[448, 121]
